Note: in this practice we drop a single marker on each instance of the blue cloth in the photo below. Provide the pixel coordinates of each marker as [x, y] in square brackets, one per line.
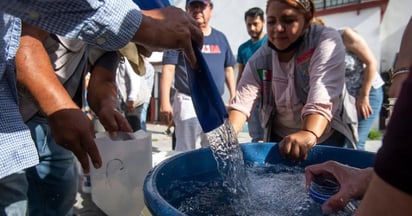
[218, 55]
[108, 24]
[53, 182]
[247, 49]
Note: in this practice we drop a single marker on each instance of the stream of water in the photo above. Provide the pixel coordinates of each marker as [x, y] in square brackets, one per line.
[243, 189]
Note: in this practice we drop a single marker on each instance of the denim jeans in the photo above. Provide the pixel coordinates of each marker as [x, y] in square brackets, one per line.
[141, 111]
[13, 194]
[137, 119]
[53, 182]
[255, 129]
[365, 125]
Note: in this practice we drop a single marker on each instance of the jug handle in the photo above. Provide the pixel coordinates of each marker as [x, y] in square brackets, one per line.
[107, 167]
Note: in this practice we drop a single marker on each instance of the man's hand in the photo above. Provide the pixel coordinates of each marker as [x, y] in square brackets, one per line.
[363, 107]
[73, 130]
[166, 113]
[113, 121]
[353, 183]
[130, 106]
[169, 28]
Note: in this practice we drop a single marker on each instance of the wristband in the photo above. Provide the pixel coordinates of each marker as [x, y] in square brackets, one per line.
[313, 133]
[399, 71]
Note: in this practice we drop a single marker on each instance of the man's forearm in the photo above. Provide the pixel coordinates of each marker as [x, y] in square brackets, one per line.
[35, 72]
[230, 81]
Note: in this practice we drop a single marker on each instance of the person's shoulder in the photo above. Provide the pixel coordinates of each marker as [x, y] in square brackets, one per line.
[265, 38]
[245, 44]
[263, 52]
[325, 32]
[216, 32]
[349, 34]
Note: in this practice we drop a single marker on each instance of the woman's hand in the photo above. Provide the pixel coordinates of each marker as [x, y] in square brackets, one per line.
[296, 146]
[363, 107]
[353, 183]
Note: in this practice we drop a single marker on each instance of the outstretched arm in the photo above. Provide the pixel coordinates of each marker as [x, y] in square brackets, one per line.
[166, 80]
[102, 93]
[71, 128]
[111, 24]
[230, 82]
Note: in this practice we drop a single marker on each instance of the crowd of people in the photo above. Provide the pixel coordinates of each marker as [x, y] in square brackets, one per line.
[300, 84]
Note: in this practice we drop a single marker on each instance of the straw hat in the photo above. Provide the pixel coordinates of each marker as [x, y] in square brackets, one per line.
[134, 53]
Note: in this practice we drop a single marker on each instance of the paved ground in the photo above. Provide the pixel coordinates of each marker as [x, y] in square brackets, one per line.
[162, 149]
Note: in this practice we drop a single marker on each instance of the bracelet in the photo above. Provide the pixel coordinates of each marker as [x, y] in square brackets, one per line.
[314, 134]
[399, 71]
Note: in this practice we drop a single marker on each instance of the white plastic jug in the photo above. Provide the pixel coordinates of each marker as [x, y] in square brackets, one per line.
[117, 187]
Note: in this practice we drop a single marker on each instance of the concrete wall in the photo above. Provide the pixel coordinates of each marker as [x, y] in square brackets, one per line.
[366, 22]
[393, 24]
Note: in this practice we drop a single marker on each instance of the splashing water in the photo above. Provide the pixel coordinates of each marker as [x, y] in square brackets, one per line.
[242, 189]
[229, 157]
[277, 190]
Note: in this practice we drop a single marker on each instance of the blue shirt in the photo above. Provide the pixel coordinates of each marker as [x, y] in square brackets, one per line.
[17, 150]
[218, 55]
[247, 49]
[108, 24]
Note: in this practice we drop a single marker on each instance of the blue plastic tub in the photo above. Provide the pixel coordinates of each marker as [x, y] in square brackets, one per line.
[201, 161]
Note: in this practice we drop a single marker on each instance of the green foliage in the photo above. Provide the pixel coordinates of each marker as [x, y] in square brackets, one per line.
[374, 135]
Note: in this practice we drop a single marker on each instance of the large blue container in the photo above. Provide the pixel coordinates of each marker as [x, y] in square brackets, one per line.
[201, 161]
